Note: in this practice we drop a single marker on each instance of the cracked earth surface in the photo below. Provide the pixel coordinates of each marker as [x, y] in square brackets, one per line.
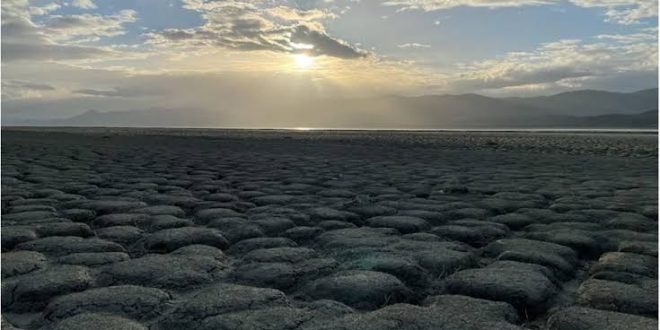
[226, 229]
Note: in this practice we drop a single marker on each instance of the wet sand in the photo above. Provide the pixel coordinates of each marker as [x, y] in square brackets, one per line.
[274, 229]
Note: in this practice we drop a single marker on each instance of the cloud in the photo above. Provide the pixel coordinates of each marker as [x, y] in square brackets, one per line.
[644, 35]
[248, 26]
[620, 11]
[83, 4]
[432, 5]
[41, 52]
[623, 11]
[27, 85]
[414, 45]
[322, 43]
[56, 37]
[43, 10]
[134, 91]
[569, 63]
[294, 14]
[60, 27]
[16, 89]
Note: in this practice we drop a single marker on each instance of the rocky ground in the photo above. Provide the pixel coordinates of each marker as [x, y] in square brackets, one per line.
[198, 229]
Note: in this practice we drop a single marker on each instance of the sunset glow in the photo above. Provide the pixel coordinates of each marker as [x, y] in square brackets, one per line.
[303, 61]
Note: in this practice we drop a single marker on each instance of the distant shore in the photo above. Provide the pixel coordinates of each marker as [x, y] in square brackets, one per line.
[341, 129]
[627, 143]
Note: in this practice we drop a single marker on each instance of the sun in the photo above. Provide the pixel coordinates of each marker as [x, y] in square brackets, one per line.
[303, 61]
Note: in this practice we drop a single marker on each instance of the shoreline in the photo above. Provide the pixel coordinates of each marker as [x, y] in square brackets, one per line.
[340, 129]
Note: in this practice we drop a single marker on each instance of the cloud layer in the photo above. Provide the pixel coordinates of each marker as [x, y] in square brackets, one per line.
[251, 26]
[56, 37]
[621, 11]
[568, 63]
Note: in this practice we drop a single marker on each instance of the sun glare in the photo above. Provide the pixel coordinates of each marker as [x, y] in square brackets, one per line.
[303, 61]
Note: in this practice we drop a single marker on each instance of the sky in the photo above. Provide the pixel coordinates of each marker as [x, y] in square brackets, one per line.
[62, 58]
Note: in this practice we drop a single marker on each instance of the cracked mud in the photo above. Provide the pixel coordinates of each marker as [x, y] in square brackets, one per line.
[212, 229]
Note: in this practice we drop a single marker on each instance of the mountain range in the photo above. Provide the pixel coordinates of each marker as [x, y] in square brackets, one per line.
[578, 109]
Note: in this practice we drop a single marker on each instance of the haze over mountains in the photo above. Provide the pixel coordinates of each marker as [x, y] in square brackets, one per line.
[579, 109]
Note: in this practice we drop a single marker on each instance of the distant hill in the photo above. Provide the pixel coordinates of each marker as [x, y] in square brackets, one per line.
[580, 109]
[147, 117]
[593, 103]
[647, 119]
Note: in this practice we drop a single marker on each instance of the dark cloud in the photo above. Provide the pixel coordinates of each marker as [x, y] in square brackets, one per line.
[248, 36]
[324, 44]
[241, 27]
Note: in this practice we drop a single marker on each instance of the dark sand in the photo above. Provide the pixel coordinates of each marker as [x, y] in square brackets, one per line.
[237, 229]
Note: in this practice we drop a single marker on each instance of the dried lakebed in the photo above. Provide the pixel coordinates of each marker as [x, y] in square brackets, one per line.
[211, 229]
